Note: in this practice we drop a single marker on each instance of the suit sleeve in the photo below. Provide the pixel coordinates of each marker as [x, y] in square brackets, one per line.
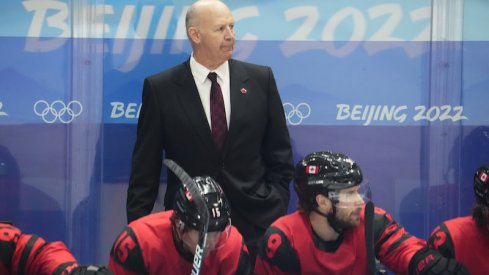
[147, 157]
[277, 149]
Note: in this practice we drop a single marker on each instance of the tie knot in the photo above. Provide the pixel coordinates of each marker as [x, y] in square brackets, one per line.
[212, 76]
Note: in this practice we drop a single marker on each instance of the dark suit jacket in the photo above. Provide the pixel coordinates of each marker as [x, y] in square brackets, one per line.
[256, 167]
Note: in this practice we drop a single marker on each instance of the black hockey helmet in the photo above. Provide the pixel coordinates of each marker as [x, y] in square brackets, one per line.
[323, 173]
[217, 204]
[481, 185]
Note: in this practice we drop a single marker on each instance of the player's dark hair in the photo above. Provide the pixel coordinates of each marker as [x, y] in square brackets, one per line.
[480, 214]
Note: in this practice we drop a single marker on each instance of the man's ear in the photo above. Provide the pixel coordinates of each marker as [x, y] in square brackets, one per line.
[194, 35]
[324, 203]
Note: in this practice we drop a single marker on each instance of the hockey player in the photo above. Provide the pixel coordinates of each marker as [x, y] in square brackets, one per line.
[165, 242]
[327, 233]
[22, 253]
[459, 238]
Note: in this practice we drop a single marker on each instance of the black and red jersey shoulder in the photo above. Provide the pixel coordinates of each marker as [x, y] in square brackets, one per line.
[29, 254]
[461, 239]
[147, 246]
[290, 246]
[126, 252]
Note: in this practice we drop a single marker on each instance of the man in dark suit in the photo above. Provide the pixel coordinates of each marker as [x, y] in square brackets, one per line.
[252, 157]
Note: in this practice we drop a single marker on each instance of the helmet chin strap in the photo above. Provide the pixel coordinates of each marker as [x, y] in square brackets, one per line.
[180, 246]
[331, 217]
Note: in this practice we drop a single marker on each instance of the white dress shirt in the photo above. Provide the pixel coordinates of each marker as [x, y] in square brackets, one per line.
[203, 84]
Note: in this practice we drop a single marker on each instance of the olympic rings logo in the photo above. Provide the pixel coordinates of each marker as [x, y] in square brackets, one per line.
[296, 114]
[58, 110]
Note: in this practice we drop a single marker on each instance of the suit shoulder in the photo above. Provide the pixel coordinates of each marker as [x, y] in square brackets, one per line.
[249, 66]
[169, 73]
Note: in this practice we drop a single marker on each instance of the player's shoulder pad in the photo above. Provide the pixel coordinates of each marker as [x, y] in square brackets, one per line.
[126, 251]
[276, 249]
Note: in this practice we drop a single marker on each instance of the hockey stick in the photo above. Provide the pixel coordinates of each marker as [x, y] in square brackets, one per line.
[369, 237]
[199, 201]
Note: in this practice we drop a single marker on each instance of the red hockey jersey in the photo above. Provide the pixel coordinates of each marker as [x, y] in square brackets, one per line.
[463, 240]
[29, 254]
[146, 246]
[291, 247]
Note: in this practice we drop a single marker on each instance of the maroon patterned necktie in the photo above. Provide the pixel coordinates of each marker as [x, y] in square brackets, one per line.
[218, 114]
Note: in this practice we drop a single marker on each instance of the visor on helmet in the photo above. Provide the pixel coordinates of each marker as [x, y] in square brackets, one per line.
[355, 196]
[190, 237]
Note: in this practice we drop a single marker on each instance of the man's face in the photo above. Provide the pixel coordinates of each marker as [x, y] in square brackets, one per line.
[190, 239]
[216, 29]
[349, 207]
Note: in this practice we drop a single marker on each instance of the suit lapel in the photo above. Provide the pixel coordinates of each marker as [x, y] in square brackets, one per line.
[192, 106]
[238, 78]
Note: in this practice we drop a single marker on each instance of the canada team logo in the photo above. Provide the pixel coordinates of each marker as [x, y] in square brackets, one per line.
[483, 176]
[312, 169]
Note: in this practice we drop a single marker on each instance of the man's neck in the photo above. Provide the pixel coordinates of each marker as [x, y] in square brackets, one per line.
[211, 65]
[321, 226]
